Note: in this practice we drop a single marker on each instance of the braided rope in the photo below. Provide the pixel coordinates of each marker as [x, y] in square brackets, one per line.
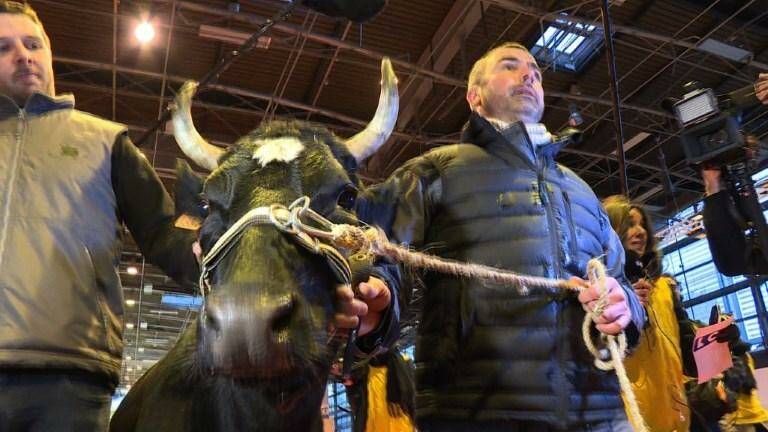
[617, 345]
[374, 241]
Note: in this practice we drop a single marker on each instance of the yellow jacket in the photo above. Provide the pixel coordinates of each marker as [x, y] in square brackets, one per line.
[380, 416]
[750, 409]
[656, 368]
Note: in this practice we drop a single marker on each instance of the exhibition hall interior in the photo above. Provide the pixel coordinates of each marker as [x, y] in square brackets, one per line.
[125, 60]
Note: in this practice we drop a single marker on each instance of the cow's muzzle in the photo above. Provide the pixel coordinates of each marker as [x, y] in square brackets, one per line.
[254, 337]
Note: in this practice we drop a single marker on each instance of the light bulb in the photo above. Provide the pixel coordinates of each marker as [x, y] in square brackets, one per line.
[144, 32]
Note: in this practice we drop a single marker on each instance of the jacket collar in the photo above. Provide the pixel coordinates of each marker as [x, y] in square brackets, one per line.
[510, 141]
[37, 104]
[510, 144]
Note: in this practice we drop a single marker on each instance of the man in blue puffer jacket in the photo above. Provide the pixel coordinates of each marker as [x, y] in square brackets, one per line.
[488, 358]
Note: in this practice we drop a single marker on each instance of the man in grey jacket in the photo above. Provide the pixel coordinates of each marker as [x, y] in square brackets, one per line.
[488, 358]
[68, 180]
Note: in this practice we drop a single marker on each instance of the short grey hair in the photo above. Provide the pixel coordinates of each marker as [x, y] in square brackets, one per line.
[477, 73]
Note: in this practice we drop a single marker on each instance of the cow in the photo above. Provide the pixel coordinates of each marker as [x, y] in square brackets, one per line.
[259, 354]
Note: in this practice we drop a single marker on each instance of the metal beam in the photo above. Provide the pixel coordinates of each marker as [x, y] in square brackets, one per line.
[645, 34]
[444, 45]
[235, 91]
[630, 163]
[323, 70]
[710, 32]
[330, 41]
[326, 40]
[616, 106]
[659, 72]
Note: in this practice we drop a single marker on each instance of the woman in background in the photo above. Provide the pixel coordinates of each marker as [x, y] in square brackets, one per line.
[656, 366]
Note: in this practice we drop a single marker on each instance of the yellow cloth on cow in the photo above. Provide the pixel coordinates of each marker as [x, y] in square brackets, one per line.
[656, 369]
[750, 409]
[380, 419]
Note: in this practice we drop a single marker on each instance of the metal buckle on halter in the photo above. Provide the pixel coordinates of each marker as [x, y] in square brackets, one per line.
[288, 220]
[281, 221]
[300, 209]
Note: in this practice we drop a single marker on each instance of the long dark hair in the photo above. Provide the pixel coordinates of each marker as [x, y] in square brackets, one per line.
[618, 208]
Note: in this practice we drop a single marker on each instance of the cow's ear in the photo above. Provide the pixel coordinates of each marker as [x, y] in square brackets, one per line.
[190, 206]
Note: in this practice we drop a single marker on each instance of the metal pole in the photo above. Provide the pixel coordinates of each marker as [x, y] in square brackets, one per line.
[611, 57]
[213, 75]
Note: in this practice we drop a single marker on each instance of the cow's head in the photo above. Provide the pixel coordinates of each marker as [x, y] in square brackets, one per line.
[268, 311]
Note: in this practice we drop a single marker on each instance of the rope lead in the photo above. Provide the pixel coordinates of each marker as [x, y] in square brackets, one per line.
[374, 241]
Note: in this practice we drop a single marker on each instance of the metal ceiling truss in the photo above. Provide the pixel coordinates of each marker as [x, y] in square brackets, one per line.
[672, 62]
[633, 31]
[240, 92]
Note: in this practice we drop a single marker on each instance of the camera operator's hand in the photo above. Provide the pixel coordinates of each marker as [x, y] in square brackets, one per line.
[712, 179]
[761, 88]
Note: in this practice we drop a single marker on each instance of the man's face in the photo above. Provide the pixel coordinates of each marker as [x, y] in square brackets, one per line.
[511, 89]
[25, 58]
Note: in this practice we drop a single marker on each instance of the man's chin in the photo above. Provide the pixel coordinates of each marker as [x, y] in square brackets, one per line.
[22, 95]
[530, 117]
[528, 113]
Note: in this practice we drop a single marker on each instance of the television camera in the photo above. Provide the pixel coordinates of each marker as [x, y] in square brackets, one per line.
[712, 138]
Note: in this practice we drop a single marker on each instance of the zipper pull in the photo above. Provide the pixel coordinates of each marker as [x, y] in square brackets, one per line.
[536, 196]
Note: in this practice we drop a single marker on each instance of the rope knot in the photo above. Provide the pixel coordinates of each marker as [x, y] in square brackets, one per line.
[348, 237]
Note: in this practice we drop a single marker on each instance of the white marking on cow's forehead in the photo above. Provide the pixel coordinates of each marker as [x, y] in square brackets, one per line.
[277, 149]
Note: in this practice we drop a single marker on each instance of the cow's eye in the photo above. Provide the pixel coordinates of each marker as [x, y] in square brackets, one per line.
[205, 206]
[347, 198]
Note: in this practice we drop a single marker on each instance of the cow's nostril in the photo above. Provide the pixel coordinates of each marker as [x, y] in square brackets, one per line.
[282, 313]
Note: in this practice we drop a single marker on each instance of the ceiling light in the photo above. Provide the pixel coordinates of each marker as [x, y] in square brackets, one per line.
[574, 117]
[130, 302]
[163, 312]
[725, 50]
[132, 270]
[632, 142]
[129, 325]
[144, 32]
[230, 36]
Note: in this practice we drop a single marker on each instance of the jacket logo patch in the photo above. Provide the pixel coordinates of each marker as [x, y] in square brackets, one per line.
[69, 151]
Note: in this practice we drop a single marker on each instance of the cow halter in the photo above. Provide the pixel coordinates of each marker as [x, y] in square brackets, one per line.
[289, 220]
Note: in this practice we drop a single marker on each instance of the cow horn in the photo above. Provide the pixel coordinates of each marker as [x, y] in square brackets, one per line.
[192, 144]
[376, 133]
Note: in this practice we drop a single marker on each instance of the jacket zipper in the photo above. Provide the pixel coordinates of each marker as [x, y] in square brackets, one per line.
[573, 243]
[20, 130]
[546, 199]
[561, 411]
